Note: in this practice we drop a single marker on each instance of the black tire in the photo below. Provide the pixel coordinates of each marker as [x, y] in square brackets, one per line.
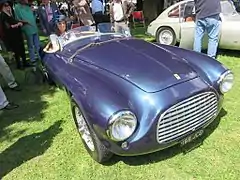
[100, 153]
[33, 76]
[46, 76]
[170, 32]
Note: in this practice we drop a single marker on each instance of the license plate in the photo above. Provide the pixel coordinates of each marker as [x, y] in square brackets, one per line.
[192, 137]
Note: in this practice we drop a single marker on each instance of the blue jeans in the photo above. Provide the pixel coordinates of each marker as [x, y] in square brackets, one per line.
[212, 26]
[33, 43]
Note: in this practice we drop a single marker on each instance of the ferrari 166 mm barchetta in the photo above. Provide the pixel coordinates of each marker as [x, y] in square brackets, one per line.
[131, 97]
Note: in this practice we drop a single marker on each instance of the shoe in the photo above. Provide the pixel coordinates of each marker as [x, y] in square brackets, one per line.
[17, 88]
[11, 106]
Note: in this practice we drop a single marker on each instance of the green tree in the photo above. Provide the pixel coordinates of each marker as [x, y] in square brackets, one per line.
[152, 8]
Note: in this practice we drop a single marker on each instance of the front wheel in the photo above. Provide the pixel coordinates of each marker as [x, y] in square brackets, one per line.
[166, 35]
[93, 145]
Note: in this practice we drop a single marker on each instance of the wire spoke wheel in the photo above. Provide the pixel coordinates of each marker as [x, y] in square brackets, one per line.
[84, 130]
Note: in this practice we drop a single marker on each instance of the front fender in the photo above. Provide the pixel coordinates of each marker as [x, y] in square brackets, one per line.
[98, 96]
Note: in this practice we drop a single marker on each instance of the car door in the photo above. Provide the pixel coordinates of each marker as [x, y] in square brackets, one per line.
[188, 27]
[230, 32]
[55, 64]
[230, 35]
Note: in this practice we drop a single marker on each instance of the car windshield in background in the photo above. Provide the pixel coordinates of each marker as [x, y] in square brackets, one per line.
[228, 8]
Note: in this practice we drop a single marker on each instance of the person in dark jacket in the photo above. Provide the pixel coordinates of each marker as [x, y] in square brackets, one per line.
[13, 38]
[207, 20]
[47, 12]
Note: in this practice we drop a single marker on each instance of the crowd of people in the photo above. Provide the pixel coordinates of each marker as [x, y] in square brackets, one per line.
[18, 23]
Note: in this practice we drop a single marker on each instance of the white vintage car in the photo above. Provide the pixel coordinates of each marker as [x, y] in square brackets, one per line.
[176, 25]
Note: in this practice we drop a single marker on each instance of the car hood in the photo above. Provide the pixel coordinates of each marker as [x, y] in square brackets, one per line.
[144, 64]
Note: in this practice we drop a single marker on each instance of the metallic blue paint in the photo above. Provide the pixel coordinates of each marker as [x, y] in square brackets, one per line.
[208, 68]
[134, 75]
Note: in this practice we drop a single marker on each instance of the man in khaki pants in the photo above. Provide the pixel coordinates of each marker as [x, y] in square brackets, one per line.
[4, 104]
[120, 11]
[7, 75]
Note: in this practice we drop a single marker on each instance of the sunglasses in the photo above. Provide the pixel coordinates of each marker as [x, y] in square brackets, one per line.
[6, 5]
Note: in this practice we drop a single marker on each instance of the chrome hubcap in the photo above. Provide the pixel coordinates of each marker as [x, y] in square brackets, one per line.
[166, 37]
[84, 130]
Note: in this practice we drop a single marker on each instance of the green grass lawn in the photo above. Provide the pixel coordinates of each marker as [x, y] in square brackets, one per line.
[38, 141]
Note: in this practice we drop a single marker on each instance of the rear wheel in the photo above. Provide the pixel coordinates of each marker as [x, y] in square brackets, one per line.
[93, 145]
[166, 35]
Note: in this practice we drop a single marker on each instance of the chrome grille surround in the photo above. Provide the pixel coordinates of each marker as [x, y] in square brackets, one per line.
[186, 116]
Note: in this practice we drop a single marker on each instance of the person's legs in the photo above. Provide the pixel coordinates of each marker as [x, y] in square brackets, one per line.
[31, 50]
[98, 17]
[125, 28]
[117, 28]
[7, 73]
[17, 58]
[3, 99]
[213, 29]
[9, 54]
[4, 104]
[199, 33]
[21, 52]
[36, 42]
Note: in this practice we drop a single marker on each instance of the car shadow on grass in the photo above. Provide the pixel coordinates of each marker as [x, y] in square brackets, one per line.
[27, 148]
[169, 152]
[229, 53]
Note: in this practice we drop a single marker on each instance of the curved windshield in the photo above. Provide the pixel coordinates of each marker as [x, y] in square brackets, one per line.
[84, 32]
[228, 8]
[76, 34]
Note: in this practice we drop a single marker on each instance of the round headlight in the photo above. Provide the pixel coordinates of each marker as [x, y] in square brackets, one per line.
[226, 82]
[122, 125]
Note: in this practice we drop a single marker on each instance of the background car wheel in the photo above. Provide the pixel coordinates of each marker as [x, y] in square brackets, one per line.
[90, 140]
[166, 35]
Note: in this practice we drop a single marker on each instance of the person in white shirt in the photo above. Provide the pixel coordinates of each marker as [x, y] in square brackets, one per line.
[120, 11]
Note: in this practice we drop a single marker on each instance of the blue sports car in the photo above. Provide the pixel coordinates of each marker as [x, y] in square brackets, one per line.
[131, 97]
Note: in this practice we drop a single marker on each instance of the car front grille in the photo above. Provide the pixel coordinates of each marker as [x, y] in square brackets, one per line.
[186, 116]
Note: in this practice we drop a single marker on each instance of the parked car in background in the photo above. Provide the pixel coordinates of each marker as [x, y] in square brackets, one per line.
[236, 4]
[176, 25]
[131, 97]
